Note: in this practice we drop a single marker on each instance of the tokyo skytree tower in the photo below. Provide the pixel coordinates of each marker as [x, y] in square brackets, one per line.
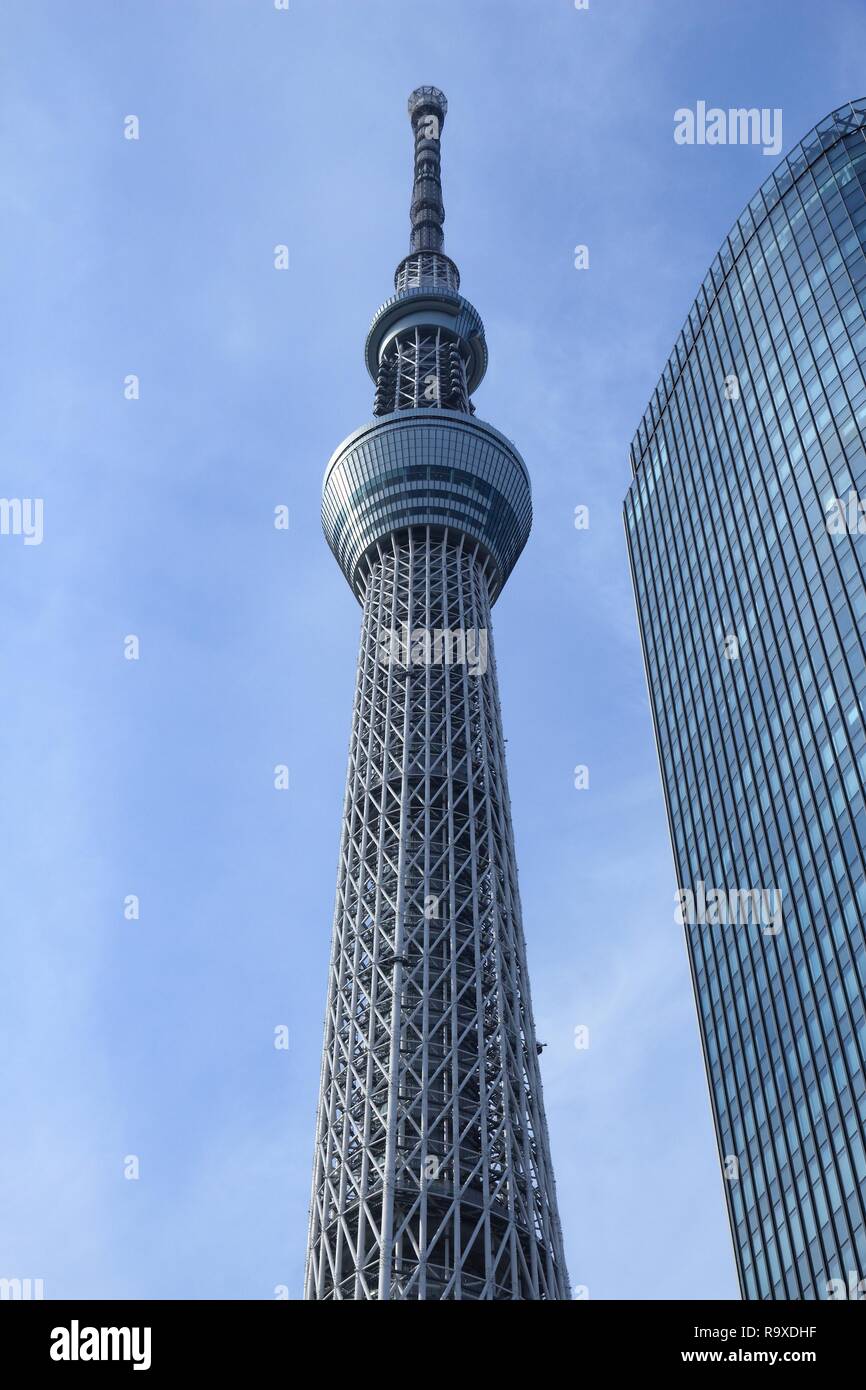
[432, 1174]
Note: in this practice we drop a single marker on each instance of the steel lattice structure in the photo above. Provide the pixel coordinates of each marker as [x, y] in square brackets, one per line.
[432, 1174]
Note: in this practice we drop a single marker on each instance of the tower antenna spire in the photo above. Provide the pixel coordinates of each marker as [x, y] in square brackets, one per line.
[427, 109]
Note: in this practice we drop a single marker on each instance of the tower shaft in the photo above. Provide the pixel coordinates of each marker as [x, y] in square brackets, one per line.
[432, 1164]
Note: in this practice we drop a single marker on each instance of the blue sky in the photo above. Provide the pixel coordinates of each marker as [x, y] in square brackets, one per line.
[155, 777]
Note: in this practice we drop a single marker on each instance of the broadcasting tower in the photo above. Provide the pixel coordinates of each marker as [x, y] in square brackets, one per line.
[432, 1175]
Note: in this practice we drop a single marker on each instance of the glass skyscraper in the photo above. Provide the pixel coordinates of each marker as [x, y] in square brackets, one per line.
[748, 555]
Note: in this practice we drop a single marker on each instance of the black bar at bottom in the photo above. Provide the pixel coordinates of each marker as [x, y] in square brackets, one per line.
[223, 1338]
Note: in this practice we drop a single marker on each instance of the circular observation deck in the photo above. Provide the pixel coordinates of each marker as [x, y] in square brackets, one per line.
[426, 468]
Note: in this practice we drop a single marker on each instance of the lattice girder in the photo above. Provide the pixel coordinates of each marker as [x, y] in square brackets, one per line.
[432, 1175]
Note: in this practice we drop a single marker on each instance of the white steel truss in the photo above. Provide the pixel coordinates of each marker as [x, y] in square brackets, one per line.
[432, 1175]
[422, 369]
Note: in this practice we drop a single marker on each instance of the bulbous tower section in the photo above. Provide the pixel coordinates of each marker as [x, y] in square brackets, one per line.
[432, 1175]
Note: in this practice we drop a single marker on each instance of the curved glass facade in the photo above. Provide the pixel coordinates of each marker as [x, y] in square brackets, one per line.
[751, 597]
